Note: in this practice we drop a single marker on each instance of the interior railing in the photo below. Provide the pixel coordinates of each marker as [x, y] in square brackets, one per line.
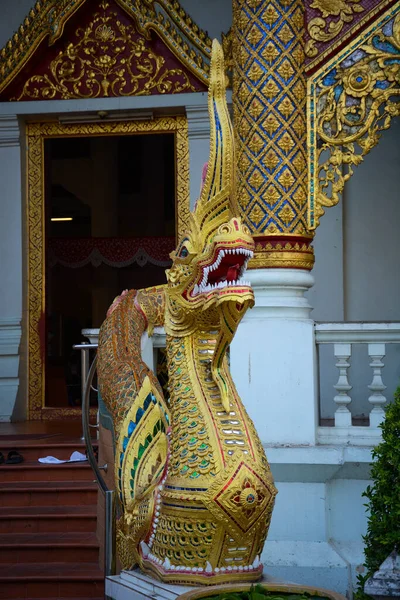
[109, 495]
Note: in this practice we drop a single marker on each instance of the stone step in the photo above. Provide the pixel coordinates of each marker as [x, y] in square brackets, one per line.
[48, 547]
[34, 471]
[39, 519]
[55, 580]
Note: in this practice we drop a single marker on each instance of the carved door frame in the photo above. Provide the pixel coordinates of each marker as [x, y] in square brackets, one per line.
[36, 134]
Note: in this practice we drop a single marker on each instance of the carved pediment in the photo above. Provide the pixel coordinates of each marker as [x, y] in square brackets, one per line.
[95, 48]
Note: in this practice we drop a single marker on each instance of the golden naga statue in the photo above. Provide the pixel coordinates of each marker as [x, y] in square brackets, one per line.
[194, 486]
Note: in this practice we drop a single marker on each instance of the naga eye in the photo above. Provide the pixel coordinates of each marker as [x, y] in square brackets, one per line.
[184, 252]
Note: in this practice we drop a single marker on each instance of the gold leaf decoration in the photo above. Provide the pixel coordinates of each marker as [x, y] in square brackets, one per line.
[107, 59]
[351, 101]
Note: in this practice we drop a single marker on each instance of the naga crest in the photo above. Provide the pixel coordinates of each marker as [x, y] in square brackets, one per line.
[206, 285]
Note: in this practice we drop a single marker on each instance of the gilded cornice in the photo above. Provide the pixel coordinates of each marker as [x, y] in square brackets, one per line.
[47, 19]
[351, 100]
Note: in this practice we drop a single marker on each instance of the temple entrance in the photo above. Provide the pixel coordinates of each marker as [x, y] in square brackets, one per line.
[109, 226]
[104, 201]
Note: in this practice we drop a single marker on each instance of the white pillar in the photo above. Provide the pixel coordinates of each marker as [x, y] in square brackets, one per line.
[199, 146]
[376, 352]
[273, 358]
[10, 262]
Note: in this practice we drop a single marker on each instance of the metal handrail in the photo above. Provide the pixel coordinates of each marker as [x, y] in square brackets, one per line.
[109, 495]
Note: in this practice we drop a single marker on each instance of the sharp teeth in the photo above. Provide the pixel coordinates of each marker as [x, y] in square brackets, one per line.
[196, 289]
[222, 253]
[145, 549]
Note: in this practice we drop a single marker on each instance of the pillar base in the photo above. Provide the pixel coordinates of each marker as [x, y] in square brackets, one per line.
[273, 358]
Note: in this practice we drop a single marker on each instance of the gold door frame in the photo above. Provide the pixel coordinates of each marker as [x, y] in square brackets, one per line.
[36, 134]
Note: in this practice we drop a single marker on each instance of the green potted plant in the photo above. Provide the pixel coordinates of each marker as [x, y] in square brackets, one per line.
[264, 591]
[383, 534]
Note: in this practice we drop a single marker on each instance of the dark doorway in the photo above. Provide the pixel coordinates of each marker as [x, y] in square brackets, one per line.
[110, 224]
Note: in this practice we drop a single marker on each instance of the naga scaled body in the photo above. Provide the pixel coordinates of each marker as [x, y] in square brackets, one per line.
[194, 485]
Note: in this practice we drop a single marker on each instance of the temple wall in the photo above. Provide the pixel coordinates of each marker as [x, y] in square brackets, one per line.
[357, 272]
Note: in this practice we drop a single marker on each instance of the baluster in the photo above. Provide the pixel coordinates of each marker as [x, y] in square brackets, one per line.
[376, 352]
[342, 399]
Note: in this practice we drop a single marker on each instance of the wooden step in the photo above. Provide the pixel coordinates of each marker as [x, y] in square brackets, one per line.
[48, 547]
[47, 493]
[33, 471]
[32, 450]
[39, 519]
[55, 580]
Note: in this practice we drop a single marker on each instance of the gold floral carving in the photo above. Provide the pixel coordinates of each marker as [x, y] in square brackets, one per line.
[350, 102]
[108, 59]
[47, 18]
[317, 49]
[36, 134]
[322, 30]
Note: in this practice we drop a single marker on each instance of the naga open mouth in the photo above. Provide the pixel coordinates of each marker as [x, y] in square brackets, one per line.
[226, 270]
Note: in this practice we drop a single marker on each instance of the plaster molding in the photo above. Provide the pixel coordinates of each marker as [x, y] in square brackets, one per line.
[198, 122]
[9, 131]
[10, 336]
[279, 293]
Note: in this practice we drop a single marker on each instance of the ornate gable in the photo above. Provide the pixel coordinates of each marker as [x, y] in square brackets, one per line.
[95, 48]
[330, 24]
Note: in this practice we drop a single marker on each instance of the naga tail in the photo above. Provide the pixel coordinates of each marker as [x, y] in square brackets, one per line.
[134, 399]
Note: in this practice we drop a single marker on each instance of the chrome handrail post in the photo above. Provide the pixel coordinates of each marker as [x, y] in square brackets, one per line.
[84, 367]
[109, 495]
[109, 546]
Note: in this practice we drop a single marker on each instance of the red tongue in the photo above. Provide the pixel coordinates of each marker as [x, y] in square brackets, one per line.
[232, 273]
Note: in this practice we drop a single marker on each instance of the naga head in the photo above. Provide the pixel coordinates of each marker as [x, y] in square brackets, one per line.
[207, 287]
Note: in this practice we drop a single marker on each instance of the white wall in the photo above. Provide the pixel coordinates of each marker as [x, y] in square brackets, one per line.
[371, 233]
[357, 267]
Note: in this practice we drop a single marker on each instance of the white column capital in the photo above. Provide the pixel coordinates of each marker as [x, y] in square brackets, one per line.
[280, 293]
[9, 130]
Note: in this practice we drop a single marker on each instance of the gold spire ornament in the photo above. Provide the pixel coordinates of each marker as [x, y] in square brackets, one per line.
[194, 485]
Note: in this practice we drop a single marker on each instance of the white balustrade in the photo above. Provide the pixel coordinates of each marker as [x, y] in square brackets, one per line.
[376, 352]
[343, 336]
[342, 399]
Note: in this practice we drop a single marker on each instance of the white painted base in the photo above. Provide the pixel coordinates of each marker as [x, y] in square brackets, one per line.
[10, 336]
[134, 585]
[273, 361]
[309, 563]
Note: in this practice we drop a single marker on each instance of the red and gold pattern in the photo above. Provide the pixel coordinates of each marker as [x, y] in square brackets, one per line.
[100, 54]
[332, 23]
[195, 489]
[115, 252]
